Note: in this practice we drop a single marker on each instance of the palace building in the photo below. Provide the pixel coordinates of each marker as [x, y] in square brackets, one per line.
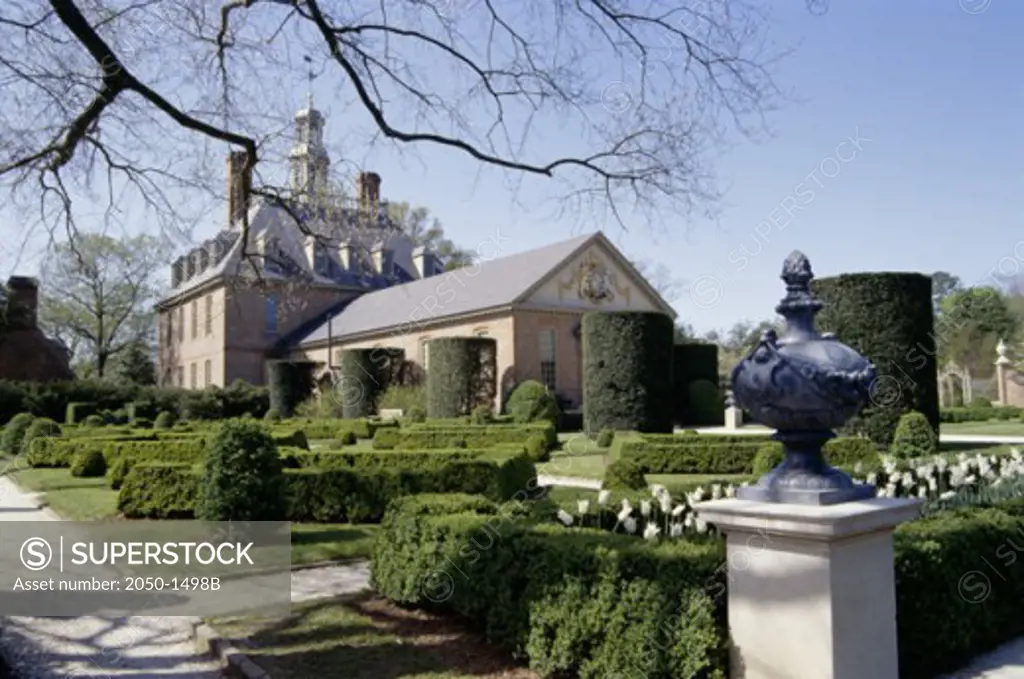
[315, 277]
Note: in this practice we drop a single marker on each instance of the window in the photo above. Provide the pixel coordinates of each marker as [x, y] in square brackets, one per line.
[547, 358]
[181, 376]
[207, 372]
[169, 323]
[209, 314]
[320, 262]
[270, 314]
[192, 375]
[425, 353]
[195, 318]
[181, 325]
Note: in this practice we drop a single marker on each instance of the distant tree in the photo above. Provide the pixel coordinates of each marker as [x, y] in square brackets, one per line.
[685, 334]
[660, 277]
[971, 323]
[425, 230]
[943, 285]
[136, 365]
[739, 341]
[98, 294]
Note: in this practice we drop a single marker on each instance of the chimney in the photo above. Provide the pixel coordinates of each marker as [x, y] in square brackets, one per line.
[22, 302]
[424, 260]
[369, 192]
[239, 185]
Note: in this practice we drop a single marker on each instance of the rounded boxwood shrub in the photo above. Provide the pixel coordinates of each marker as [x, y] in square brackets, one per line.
[889, 318]
[980, 402]
[417, 414]
[463, 375]
[93, 421]
[627, 371]
[624, 475]
[347, 438]
[768, 457]
[119, 470]
[165, 420]
[914, 437]
[849, 452]
[605, 438]
[88, 464]
[531, 401]
[243, 476]
[41, 428]
[14, 432]
[537, 448]
[272, 415]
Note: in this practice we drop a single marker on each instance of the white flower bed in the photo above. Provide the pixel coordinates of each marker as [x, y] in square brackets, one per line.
[663, 516]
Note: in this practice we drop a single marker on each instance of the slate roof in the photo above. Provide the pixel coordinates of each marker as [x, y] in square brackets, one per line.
[493, 283]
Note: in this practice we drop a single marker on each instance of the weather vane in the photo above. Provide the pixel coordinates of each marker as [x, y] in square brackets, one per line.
[310, 75]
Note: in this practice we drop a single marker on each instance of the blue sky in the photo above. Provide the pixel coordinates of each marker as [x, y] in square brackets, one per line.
[900, 151]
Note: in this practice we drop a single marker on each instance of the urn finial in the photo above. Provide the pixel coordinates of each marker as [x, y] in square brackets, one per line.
[799, 306]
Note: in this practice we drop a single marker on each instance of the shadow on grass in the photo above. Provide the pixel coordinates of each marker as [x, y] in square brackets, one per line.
[368, 637]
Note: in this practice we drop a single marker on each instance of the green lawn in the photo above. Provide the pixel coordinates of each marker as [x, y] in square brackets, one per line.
[586, 466]
[364, 637]
[992, 428]
[78, 499]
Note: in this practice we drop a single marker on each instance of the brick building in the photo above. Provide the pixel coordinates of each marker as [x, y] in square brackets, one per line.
[26, 353]
[348, 278]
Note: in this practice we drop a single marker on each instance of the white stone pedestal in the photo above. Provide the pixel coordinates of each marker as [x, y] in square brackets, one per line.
[811, 589]
[733, 418]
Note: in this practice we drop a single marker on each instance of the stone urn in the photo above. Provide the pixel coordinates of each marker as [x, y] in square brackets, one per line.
[803, 384]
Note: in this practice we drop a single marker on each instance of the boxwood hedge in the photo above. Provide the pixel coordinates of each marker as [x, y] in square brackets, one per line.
[463, 374]
[888, 317]
[364, 374]
[627, 371]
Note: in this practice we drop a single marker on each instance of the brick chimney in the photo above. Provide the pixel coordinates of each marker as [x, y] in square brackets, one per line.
[239, 184]
[22, 302]
[368, 185]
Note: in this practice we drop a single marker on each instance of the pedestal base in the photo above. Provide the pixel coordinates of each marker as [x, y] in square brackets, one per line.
[811, 589]
[803, 496]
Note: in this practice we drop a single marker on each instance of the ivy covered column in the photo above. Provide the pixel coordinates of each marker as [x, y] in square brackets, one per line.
[290, 383]
[463, 374]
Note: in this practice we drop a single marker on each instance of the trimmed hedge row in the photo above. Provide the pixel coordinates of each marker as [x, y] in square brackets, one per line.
[357, 495]
[425, 436]
[976, 414]
[713, 454]
[581, 603]
[627, 371]
[887, 317]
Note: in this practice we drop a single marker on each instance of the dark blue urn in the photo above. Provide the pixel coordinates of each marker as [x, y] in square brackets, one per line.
[803, 384]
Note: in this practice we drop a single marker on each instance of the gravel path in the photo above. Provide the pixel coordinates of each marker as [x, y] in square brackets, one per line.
[141, 647]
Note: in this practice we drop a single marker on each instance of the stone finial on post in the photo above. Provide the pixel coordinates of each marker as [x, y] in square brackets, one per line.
[1001, 366]
[806, 542]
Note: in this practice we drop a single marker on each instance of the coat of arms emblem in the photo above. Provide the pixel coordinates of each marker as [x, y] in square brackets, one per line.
[595, 283]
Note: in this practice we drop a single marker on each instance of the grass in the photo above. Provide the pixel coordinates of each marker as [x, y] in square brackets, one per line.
[586, 466]
[77, 499]
[365, 637]
[990, 428]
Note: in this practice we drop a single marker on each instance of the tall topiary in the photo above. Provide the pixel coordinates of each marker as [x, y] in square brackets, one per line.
[243, 478]
[691, 363]
[290, 384]
[14, 433]
[627, 371]
[705, 404]
[463, 375]
[364, 375]
[914, 437]
[889, 318]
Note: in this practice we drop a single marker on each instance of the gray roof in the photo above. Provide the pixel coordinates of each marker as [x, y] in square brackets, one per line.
[493, 283]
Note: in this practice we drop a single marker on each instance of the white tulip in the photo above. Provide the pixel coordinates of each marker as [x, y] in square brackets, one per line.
[657, 490]
[699, 493]
[603, 497]
[565, 517]
[701, 526]
[688, 521]
[651, 532]
[922, 491]
[583, 506]
[645, 508]
[625, 514]
[949, 494]
[666, 503]
[626, 505]
[675, 530]
[730, 490]
[630, 525]
[678, 511]
[716, 491]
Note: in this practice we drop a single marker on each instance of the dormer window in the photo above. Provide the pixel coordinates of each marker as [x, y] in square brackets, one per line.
[321, 263]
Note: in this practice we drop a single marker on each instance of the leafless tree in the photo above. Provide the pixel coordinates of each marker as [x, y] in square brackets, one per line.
[125, 103]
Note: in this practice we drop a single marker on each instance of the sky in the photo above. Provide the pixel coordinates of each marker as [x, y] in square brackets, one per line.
[899, 149]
